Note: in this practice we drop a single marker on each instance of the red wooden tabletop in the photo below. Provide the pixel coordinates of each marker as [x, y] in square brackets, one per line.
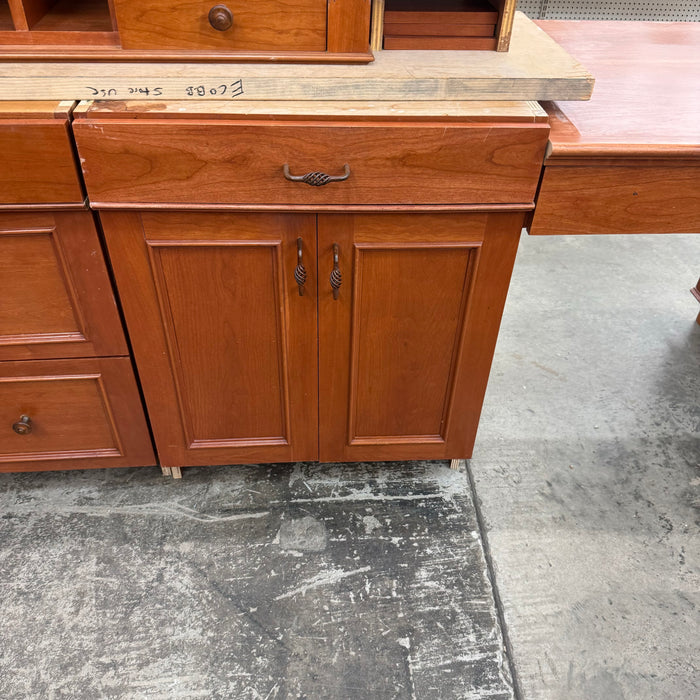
[646, 100]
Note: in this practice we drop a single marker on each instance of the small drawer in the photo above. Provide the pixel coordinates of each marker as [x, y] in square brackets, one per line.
[263, 25]
[71, 414]
[224, 162]
[38, 165]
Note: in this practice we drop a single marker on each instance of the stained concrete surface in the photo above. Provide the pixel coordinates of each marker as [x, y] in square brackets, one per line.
[587, 468]
[363, 581]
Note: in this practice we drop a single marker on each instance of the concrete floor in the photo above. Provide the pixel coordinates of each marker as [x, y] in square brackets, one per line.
[587, 467]
[374, 580]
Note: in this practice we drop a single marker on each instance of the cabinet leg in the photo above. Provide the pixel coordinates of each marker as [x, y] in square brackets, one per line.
[456, 463]
[165, 471]
[176, 472]
[695, 291]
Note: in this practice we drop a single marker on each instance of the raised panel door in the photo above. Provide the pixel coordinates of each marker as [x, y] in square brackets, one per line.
[405, 345]
[224, 343]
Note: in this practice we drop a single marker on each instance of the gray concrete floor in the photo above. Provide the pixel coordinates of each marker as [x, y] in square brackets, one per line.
[587, 468]
[374, 580]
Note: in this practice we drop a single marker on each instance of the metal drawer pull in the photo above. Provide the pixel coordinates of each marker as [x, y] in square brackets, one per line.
[23, 426]
[336, 276]
[300, 270]
[316, 178]
[220, 18]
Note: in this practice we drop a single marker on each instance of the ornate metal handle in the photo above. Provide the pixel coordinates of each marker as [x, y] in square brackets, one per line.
[23, 426]
[220, 18]
[316, 178]
[300, 270]
[336, 276]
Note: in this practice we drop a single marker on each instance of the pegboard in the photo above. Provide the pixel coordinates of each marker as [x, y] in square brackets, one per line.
[650, 10]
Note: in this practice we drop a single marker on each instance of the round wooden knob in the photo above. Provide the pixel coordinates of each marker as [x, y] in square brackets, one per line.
[23, 426]
[220, 18]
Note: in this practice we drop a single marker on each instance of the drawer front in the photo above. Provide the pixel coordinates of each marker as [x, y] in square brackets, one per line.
[618, 199]
[263, 25]
[185, 162]
[64, 414]
[38, 165]
[56, 294]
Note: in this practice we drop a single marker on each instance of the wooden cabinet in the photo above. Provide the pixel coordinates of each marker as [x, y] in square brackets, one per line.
[298, 289]
[148, 30]
[68, 396]
[238, 366]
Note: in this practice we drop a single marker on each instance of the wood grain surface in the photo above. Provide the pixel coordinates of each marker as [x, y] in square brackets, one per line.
[84, 414]
[209, 163]
[263, 25]
[647, 92]
[38, 162]
[628, 161]
[225, 345]
[56, 292]
[406, 349]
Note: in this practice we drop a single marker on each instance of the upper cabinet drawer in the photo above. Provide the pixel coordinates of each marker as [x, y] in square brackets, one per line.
[193, 162]
[233, 25]
[38, 165]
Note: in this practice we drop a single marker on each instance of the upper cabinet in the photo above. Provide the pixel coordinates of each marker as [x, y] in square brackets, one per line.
[280, 30]
[245, 30]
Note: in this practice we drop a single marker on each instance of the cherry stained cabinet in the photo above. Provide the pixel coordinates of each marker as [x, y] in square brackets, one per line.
[237, 366]
[68, 394]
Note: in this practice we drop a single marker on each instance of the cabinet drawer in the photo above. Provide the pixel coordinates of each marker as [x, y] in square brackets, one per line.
[38, 164]
[70, 414]
[193, 162]
[56, 293]
[263, 25]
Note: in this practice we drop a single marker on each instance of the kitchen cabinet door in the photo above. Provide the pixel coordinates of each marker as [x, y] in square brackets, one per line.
[225, 346]
[405, 343]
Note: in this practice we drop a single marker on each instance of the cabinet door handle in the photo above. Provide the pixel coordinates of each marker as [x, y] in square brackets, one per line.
[220, 18]
[23, 426]
[316, 178]
[336, 276]
[300, 270]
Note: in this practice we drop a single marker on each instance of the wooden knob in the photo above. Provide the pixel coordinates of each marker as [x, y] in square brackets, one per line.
[220, 18]
[23, 426]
